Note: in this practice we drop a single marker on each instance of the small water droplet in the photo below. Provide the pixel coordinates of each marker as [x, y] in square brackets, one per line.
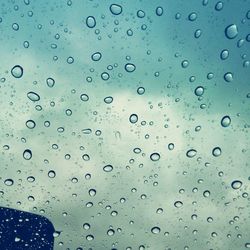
[191, 153]
[159, 11]
[84, 97]
[108, 99]
[17, 71]
[8, 182]
[50, 82]
[129, 67]
[96, 56]
[231, 31]
[108, 168]
[141, 91]
[199, 91]
[30, 124]
[224, 54]
[178, 204]
[225, 121]
[33, 96]
[90, 22]
[228, 77]
[110, 232]
[155, 230]
[155, 156]
[236, 184]
[219, 6]
[133, 118]
[115, 9]
[52, 174]
[27, 154]
[216, 151]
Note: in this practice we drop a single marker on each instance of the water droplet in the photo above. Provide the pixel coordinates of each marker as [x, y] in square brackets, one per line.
[105, 76]
[70, 60]
[30, 124]
[17, 71]
[52, 174]
[140, 13]
[219, 6]
[31, 179]
[225, 121]
[191, 153]
[92, 192]
[133, 118]
[129, 67]
[178, 204]
[50, 82]
[184, 64]
[27, 154]
[224, 54]
[89, 237]
[159, 11]
[216, 151]
[84, 97]
[228, 77]
[247, 245]
[33, 96]
[115, 9]
[231, 31]
[96, 56]
[236, 184]
[90, 22]
[155, 156]
[110, 232]
[141, 91]
[206, 193]
[199, 91]
[108, 99]
[192, 16]
[8, 182]
[108, 168]
[171, 146]
[155, 230]
[86, 226]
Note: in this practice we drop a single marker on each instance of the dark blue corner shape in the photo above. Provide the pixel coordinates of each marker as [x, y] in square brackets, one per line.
[21, 230]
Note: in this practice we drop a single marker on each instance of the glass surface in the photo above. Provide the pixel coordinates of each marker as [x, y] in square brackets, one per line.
[126, 123]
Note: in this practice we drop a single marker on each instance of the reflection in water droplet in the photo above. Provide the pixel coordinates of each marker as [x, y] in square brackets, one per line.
[236, 184]
[115, 9]
[231, 31]
[225, 121]
[17, 71]
[27, 154]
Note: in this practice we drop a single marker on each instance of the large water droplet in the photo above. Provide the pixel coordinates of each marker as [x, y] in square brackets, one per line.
[236, 184]
[231, 31]
[27, 154]
[90, 22]
[225, 121]
[17, 71]
[33, 96]
[115, 9]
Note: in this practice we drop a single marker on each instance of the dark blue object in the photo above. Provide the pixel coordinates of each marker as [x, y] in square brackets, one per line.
[21, 230]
